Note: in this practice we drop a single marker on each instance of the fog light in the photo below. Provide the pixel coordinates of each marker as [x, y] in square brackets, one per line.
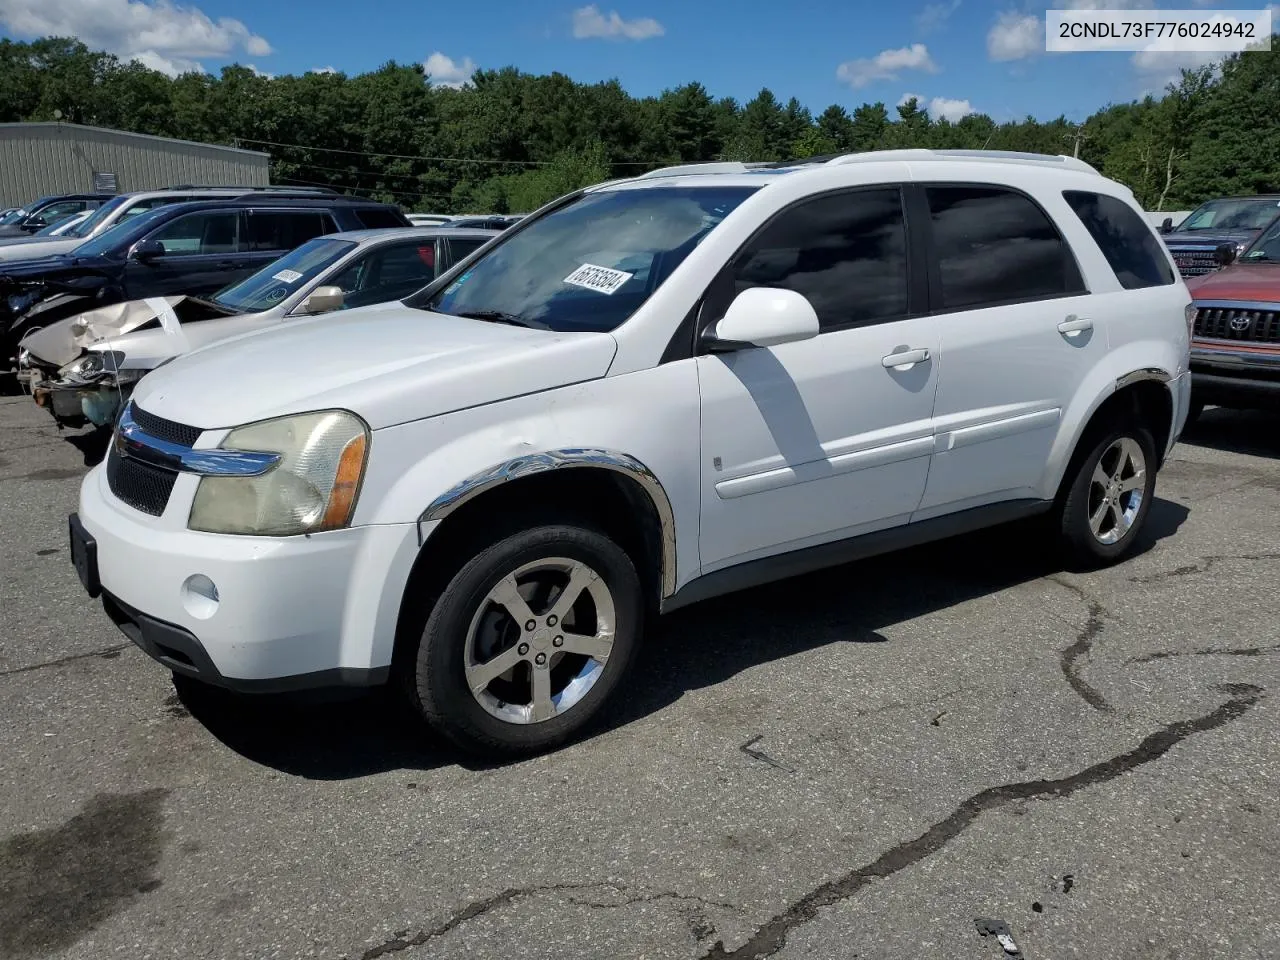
[199, 596]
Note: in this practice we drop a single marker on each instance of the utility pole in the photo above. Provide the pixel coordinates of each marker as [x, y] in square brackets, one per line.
[1077, 137]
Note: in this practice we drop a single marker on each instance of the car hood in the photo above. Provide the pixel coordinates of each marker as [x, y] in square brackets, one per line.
[35, 268]
[388, 363]
[64, 340]
[1258, 282]
[1209, 238]
[44, 247]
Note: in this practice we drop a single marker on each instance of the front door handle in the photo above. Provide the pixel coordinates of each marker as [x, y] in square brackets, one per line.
[1073, 326]
[905, 359]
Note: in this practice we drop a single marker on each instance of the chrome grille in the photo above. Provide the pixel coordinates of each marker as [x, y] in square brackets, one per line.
[1194, 263]
[1238, 323]
[140, 485]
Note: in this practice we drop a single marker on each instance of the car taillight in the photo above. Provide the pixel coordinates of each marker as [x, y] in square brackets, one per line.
[1190, 313]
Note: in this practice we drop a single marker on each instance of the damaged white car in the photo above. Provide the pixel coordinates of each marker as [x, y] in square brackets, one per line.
[83, 368]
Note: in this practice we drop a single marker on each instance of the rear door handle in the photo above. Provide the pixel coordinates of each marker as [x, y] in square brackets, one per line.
[1073, 326]
[905, 359]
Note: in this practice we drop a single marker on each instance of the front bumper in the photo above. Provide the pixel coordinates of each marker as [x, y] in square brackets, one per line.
[284, 613]
[1236, 375]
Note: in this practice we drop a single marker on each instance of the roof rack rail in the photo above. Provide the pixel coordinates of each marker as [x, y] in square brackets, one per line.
[250, 189]
[693, 169]
[1006, 156]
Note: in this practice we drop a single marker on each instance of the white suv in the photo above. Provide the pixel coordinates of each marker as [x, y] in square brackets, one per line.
[647, 393]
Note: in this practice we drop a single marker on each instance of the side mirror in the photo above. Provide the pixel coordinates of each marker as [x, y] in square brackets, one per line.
[322, 300]
[763, 317]
[1225, 254]
[32, 224]
[1167, 226]
[148, 250]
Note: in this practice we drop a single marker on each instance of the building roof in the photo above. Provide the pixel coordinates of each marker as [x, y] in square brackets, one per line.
[53, 126]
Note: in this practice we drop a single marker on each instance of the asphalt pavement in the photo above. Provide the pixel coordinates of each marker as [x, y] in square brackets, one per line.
[855, 764]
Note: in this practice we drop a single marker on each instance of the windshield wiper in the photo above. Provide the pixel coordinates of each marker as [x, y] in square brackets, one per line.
[497, 316]
[1258, 258]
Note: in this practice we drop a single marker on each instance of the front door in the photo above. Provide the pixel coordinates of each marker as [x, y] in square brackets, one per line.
[1019, 334]
[827, 438]
[202, 254]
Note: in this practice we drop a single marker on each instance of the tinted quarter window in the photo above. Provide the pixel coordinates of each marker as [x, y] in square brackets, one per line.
[1126, 241]
[996, 246]
[377, 217]
[462, 247]
[196, 233]
[846, 253]
[285, 229]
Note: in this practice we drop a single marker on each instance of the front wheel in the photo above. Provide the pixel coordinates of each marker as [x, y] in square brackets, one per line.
[1110, 495]
[528, 639]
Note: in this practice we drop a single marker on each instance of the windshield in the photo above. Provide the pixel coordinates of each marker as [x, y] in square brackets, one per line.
[280, 278]
[95, 218]
[591, 264]
[52, 229]
[122, 234]
[1251, 213]
[1266, 249]
[13, 216]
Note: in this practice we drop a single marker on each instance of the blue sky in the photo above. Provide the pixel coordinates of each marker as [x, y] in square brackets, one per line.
[955, 55]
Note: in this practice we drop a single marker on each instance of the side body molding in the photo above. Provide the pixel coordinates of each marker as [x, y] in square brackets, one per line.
[565, 459]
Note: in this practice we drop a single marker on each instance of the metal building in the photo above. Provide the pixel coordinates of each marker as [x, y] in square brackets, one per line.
[39, 159]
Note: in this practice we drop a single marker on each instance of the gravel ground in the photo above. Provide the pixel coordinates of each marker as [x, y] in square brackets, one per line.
[852, 764]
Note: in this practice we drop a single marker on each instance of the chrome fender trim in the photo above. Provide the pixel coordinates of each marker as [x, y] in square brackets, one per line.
[564, 459]
[1146, 373]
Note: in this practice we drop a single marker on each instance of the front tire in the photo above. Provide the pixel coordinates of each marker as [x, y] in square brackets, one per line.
[1109, 495]
[527, 641]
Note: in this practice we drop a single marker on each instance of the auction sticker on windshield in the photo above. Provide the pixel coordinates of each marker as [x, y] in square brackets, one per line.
[600, 279]
[287, 276]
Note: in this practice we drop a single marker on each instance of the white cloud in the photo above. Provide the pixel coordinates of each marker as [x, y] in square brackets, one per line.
[886, 65]
[260, 73]
[161, 34]
[1157, 69]
[1015, 36]
[444, 71]
[944, 108]
[935, 16]
[940, 108]
[589, 23]
[329, 69]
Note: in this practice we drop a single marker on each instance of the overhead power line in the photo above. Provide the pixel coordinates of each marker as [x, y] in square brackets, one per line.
[407, 156]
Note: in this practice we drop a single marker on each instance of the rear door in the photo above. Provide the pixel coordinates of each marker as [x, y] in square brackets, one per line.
[1018, 337]
[202, 254]
[459, 248]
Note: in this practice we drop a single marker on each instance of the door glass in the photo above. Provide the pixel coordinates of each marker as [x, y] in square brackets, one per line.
[388, 273]
[846, 253]
[462, 247]
[214, 231]
[996, 246]
[284, 230]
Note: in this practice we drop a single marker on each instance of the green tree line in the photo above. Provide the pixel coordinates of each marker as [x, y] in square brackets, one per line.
[510, 141]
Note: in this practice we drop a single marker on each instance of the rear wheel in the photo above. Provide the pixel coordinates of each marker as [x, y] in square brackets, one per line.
[1110, 494]
[528, 639]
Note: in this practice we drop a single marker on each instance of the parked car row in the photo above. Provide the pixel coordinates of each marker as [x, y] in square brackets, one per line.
[649, 392]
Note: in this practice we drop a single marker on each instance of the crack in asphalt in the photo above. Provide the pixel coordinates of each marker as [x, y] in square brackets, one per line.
[478, 908]
[1070, 657]
[1207, 652]
[107, 653]
[1206, 564]
[760, 755]
[772, 936]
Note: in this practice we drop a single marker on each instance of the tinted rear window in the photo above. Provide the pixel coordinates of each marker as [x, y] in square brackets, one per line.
[1126, 241]
[997, 246]
[377, 217]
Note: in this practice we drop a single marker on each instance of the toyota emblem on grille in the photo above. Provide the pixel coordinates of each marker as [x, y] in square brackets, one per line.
[1240, 323]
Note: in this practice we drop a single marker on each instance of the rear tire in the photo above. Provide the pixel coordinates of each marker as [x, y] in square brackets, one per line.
[528, 639]
[1109, 495]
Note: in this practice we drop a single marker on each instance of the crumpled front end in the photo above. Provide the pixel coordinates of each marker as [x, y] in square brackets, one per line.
[90, 390]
